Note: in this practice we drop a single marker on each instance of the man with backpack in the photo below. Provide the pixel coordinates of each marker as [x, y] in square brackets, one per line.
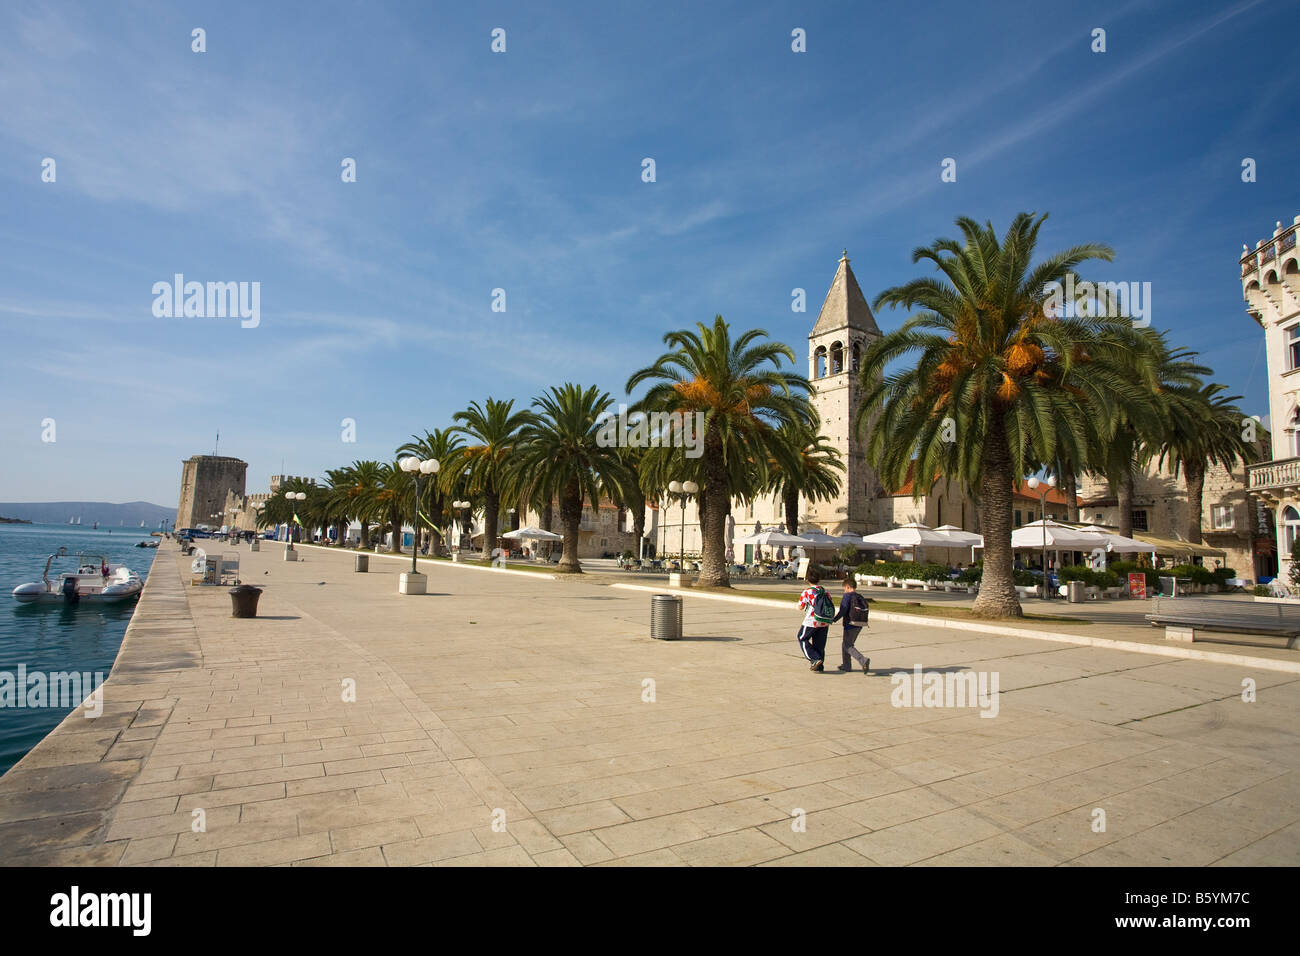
[816, 622]
[853, 612]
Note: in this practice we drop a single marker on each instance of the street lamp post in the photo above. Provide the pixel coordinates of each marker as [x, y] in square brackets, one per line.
[291, 496]
[461, 506]
[683, 489]
[1047, 486]
[255, 544]
[413, 582]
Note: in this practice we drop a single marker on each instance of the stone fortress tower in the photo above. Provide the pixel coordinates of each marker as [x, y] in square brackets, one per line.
[842, 333]
[206, 481]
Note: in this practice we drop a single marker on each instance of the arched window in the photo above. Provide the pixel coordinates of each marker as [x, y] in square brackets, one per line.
[857, 356]
[819, 362]
[837, 358]
[1291, 527]
[1293, 433]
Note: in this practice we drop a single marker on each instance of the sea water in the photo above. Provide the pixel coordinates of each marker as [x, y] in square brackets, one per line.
[46, 638]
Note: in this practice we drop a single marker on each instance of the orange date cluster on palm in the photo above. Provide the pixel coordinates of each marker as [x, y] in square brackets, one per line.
[701, 394]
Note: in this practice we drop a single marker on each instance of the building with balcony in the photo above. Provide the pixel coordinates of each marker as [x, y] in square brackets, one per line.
[1270, 283]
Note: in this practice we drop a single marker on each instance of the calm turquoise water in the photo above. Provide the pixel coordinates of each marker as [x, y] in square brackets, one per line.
[53, 637]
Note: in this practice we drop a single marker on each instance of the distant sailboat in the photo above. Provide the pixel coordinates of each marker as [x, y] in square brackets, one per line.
[78, 519]
[95, 526]
[72, 521]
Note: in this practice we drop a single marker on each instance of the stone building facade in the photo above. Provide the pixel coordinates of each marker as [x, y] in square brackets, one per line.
[603, 530]
[1270, 284]
[206, 481]
[1160, 508]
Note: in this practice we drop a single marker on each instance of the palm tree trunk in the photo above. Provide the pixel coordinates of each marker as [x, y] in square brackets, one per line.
[547, 517]
[341, 530]
[997, 594]
[790, 498]
[491, 502]
[715, 503]
[1194, 475]
[1070, 485]
[570, 518]
[1124, 502]
[365, 534]
[638, 523]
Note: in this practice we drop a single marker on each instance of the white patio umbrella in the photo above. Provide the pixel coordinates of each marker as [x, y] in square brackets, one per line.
[958, 537]
[966, 541]
[821, 540]
[532, 534]
[911, 535]
[772, 539]
[1119, 544]
[1055, 537]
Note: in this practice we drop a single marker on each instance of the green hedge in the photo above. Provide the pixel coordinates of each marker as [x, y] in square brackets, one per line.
[1097, 579]
[904, 570]
[975, 573]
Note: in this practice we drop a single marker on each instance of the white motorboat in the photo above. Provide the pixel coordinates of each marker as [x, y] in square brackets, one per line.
[93, 580]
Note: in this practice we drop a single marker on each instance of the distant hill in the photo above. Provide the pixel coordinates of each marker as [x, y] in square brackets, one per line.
[108, 514]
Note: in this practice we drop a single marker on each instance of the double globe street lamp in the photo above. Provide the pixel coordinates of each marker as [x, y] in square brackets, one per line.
[684, 489]
[413, 582]
[464, 522]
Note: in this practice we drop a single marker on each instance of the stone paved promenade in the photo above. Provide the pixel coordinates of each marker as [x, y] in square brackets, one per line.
[518, 700]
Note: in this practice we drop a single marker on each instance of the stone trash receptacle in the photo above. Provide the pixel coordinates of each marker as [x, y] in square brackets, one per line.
[666, 617]
[255, 545]
[243, 600]
[362, 563]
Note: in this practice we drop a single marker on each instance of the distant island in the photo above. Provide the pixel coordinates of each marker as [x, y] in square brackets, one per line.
[109, 515]
[4, 520]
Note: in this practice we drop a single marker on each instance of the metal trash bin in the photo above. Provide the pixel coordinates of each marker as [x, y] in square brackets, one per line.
[666, 617]
[1075, 592]
[243, 600]
[362, 563]
[1167, 588]
[254, 544]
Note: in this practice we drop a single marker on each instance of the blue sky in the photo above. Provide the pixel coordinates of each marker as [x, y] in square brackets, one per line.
[522, 171]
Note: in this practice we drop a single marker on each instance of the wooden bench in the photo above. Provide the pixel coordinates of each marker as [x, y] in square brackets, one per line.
[1183, 617]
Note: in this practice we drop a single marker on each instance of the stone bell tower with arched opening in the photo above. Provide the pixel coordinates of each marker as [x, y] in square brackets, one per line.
[844, 329]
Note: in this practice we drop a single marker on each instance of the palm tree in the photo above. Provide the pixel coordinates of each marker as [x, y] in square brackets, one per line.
[629, 494]
[560, 456]
[336, 503]
[1163, 377]
[367, 483]
[743, 402]
[394, 499]
[435, 503]
[493, 430]
[295, 514]
[999, 385]
[815, 472]
[1205, 429]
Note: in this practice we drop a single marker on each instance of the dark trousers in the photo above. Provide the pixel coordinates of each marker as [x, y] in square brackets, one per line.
[847, 649]
[812, 641]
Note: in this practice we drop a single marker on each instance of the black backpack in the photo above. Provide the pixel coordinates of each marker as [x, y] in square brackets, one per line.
[859, 612]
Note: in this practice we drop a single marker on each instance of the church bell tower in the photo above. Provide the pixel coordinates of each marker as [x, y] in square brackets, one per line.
[843, 331]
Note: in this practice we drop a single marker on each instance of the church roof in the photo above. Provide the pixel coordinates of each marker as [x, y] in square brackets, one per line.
[845, 305]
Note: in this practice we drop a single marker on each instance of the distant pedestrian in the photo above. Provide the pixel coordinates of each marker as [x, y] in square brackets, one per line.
[853, 612]
[816, 622]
